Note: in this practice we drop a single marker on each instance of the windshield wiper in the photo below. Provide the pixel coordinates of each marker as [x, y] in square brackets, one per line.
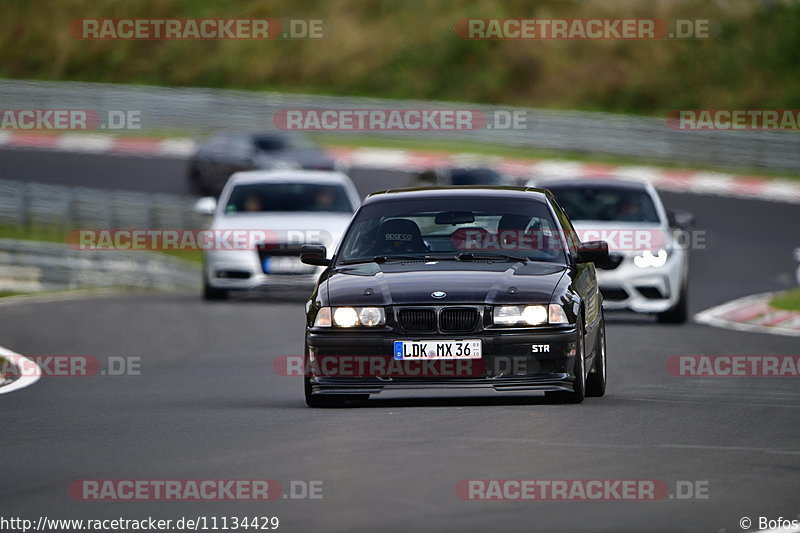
[472, 256]
[398, 257]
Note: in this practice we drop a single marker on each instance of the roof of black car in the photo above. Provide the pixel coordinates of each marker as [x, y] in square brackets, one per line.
[464, 191]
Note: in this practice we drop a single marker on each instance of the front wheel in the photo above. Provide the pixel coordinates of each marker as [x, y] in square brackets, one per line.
[579, 385]
[596, 382]
[678, 313]
[195, 179]
[212, 293]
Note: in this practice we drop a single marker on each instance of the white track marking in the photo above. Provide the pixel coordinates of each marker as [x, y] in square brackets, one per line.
[22, 381]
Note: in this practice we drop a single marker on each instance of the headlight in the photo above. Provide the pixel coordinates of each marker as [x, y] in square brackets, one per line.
[534, 315]
[371, 316]
[323, 319]
[348, 317]
[529, 315]
[345, 317]
[557, 315]
[649, 259]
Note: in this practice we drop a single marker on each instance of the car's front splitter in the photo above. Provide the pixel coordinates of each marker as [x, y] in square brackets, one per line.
[345, 363]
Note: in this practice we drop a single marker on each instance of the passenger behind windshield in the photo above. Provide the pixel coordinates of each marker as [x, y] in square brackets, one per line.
[415, 228]
[261, 197]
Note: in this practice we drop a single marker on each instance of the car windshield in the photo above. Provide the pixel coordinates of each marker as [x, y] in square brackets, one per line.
[606, 204]
[475, 176]
[260, 197]
[274, 143]
[455, 228]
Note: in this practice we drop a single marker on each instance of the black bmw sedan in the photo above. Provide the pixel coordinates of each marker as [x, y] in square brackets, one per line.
[471, 287]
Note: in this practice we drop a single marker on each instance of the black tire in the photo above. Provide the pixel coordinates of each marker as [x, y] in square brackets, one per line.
[579, 385]
[195, 179]
[212, 293]
[679, 313]
[596, 382]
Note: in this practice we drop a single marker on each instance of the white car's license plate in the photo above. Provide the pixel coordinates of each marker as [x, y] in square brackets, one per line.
[286, 265]
[464, 349]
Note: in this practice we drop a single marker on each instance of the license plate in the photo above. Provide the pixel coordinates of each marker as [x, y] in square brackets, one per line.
[285, 265]
[466, 349]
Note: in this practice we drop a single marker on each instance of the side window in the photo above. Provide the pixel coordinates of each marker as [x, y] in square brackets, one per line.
[363, 238]
[239, 146]
[216, 143]
[569, 232]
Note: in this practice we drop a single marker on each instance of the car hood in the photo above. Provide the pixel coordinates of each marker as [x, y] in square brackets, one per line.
[290, 226]
[464, 282]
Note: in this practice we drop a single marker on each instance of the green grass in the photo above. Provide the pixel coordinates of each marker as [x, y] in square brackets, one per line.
[59, 235]
[194, 256]
[3, 362]
[499, 150]
[37, 233]
[789, 300]
[3, 294]
[409, 49]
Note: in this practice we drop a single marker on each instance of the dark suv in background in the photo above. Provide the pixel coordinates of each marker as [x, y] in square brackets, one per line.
[227, 152]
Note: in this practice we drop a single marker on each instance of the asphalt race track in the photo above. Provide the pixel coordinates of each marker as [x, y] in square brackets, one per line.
[209, 405]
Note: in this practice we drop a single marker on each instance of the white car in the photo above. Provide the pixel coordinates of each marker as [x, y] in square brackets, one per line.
[648, 266]
[267, 216]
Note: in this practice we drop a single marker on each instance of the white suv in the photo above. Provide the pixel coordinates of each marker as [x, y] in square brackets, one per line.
[269, 215]
[648, 265]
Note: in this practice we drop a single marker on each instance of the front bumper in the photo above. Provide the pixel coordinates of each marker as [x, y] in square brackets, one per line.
[642, 290]
[242, 270]
[363, 362]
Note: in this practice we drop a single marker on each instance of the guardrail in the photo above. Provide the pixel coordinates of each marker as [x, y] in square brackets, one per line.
[27, 266]
[201, 110]
[28, 204]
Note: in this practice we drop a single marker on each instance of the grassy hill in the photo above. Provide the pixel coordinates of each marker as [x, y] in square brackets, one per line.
[409, 49]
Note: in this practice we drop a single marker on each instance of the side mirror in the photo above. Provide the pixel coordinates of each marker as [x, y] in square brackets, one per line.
[205, 206]
[592, 252]
[678, 218]
[314, 254]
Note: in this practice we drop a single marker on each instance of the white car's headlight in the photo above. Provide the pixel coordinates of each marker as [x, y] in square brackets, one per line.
[348, 317]
[529, 315]
[650, 259]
